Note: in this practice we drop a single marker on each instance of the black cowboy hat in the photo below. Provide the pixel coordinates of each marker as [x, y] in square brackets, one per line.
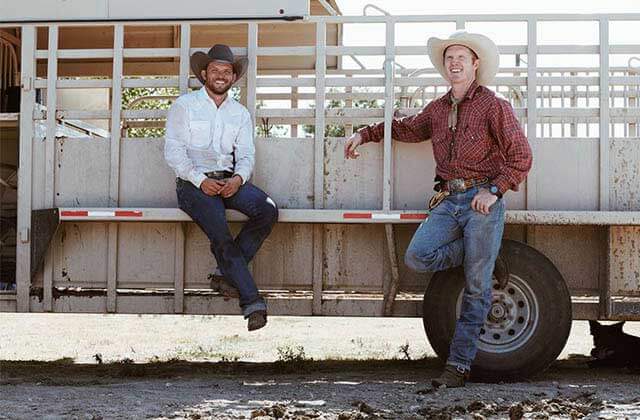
[200, 61]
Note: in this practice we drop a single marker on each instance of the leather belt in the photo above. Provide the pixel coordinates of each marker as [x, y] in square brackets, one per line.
[460, 185]
[219, 174]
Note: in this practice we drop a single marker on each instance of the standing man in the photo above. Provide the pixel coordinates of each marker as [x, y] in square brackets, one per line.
[481, 153]
[209, 145]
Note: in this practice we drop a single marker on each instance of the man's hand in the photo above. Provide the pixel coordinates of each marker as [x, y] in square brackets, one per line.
[212, 186]
[231, 186]
[483, 201]
[350, 146]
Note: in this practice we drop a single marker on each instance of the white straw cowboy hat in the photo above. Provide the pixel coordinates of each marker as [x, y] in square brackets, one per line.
[485, 49]
[200, 61]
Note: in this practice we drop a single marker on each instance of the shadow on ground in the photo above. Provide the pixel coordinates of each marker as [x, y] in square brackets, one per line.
[67, 372]
[328, 389]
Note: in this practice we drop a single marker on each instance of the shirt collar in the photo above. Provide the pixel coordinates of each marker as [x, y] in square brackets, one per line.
[203, 93]
[470, 92]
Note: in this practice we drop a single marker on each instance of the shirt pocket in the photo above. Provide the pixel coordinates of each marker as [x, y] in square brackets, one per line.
[230, 136]
[200, 134]
[475, 144]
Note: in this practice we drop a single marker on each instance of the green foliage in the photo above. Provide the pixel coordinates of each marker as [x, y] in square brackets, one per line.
[162, 98]
[165, 97]
[130, 101]
[266, 129]
[292, 359]
[291, 354]
[334, 130]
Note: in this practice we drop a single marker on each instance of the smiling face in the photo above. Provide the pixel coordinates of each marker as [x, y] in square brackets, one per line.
[219, 77]
[460, 64]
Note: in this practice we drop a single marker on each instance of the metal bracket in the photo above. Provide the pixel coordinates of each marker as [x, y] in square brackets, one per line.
[44, 225]
[392, 291]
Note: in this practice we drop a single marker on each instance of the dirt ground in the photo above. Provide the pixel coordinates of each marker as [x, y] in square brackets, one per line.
[118, 366]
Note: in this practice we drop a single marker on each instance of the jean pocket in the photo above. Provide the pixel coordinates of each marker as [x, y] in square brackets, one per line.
[498, 207]
[180, 184]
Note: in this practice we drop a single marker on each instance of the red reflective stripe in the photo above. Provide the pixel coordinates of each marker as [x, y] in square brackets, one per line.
[356, 215]
[407, 216]
[72, 213]
[86, 213]
[413, 216]
[128, 213]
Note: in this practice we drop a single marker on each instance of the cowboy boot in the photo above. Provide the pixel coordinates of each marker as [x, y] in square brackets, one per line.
[257, 320]
[452, 377]
[220, 285]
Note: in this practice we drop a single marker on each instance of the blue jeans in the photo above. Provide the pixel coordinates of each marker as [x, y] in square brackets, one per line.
[454, 235]
[232, 255]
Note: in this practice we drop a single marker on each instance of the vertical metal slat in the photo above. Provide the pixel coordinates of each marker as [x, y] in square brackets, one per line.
[52, 98]
[318, 158]
[387, 188]
[178, 275]
[573, 103]
[321, 69]
[25, 187]
[179, 262]
[50, 143]
[604, 114]
[294, 105]
[114, 168]
[185, 41]
[116, 109]
[112, 266]
[532, 115]
[318, 271]
[252, 77]
[387, 175]
[252, 70]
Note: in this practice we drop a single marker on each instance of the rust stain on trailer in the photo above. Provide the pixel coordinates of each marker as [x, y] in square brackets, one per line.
[625, 165]
[625, 260]
[551, 217]
[57, 292]
[531, 218]
[60, 143]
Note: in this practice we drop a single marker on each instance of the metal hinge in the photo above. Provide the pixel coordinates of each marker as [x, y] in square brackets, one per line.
[24, 235]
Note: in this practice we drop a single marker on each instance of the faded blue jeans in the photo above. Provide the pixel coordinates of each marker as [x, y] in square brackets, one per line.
[232, 255]
[453, 235]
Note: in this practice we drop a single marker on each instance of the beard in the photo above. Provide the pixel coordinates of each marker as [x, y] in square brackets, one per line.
[219, 90]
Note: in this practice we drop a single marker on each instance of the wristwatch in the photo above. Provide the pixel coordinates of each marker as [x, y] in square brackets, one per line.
[495, 191]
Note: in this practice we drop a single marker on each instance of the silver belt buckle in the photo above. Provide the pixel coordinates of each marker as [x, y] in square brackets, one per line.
[456, 185]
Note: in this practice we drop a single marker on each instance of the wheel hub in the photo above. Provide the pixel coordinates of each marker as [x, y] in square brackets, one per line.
[512, 317]
[497, 313]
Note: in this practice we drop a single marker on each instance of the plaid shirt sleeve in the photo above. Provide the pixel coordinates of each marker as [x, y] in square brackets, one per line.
[513, 143]
[411, 129]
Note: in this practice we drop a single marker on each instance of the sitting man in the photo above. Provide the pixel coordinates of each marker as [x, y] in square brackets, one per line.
[209, 145]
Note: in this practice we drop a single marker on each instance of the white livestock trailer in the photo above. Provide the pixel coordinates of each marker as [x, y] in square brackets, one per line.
[99, 231]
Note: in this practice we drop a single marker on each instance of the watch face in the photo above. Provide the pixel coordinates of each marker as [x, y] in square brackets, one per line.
[493, 189]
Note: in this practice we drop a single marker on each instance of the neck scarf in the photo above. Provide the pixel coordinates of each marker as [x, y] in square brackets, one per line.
[453, 112]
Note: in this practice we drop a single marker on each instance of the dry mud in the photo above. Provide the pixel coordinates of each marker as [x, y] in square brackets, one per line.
[208, 367]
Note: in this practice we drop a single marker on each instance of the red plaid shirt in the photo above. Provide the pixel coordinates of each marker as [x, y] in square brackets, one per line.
[488, 141]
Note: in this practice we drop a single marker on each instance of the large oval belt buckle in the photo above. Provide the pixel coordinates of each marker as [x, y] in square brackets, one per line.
[456, 185]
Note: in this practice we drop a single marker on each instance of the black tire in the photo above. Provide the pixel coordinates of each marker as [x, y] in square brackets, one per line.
[513, 348]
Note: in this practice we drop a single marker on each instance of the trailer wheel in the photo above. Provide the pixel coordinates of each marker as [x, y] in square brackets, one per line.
[528, 323]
